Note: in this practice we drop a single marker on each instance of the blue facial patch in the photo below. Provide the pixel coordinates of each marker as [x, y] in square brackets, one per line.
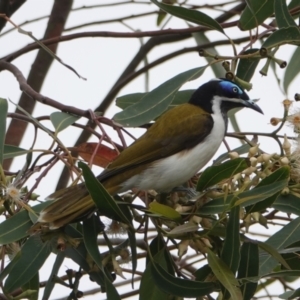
[231, 88]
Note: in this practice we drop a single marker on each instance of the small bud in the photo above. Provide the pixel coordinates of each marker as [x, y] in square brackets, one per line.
[195, 219]
[253, 151]
[205, 53]
[206, 242]
[244, 84]
[249, 171]
[281, 63]
[233, 155]
[117, 268]
[287, 104]
[182, 209]
[265, 68]
[253, 161]
[229, 75]
[285, 191]
[226, 65]
[275, 121]
[284, 161]
[286, 145]
[266, 157]
[183, 247]
[263, 52]
[226, 187]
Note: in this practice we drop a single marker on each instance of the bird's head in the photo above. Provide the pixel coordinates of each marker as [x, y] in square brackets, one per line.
[222, 94]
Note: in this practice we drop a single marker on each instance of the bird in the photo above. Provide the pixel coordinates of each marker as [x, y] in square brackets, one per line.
[180, 143]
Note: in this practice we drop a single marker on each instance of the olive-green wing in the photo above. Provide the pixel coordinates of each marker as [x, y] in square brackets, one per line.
[178, 129]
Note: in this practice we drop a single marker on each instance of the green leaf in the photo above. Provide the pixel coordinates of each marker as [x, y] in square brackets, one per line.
[165, 211]
[290, 294]
[202, 273]
[183, 229]
[177, 286]
[292, 69]
[32, 287]
[214, 174]
[60, 256]
[255, 13]
[3, 114]
[190, 15]
[61, 120]
[15, 228]
[249, 267]
[282, 36]
[224, 275]
[269, 186]
[13, 151]
[103, 201]
[282, 15]
[231, 247]
[274, 253]
[157, 101]
[286, 236]
[247, 66]
[91, 229]
[130, 99]
[289, 204]
[33, 255]
[148, 289]
[261, 206]
[90, 233]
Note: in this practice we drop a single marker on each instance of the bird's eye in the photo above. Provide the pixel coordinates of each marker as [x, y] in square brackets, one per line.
[235, 89]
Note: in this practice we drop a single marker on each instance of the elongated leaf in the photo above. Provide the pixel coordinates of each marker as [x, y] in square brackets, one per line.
[231, 248]
[214, 174]
[249, 267]
[260, 206]
[282, 36]
[104, 202]
[292, 69]
[90, 233]
[177, 286]
[165, 211]
[282, 15]
[3, 113]
[290, 294]
[274, 253]
[247, 66]
[288, 235]
[289, 204]
[255, 13]
[148, 289]
[32, 287]
[15, 228]
[13, 151]
[25, 268]
[224, 275]
[190, 15]
[184, 228]
[50, 282]
[130, 99]
[61, 120]
[202, 273]
[157, 101]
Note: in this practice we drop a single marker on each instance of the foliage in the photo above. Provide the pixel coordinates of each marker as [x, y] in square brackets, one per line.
[244, 187]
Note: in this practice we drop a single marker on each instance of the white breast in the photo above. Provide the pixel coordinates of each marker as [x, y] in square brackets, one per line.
[173, 171]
